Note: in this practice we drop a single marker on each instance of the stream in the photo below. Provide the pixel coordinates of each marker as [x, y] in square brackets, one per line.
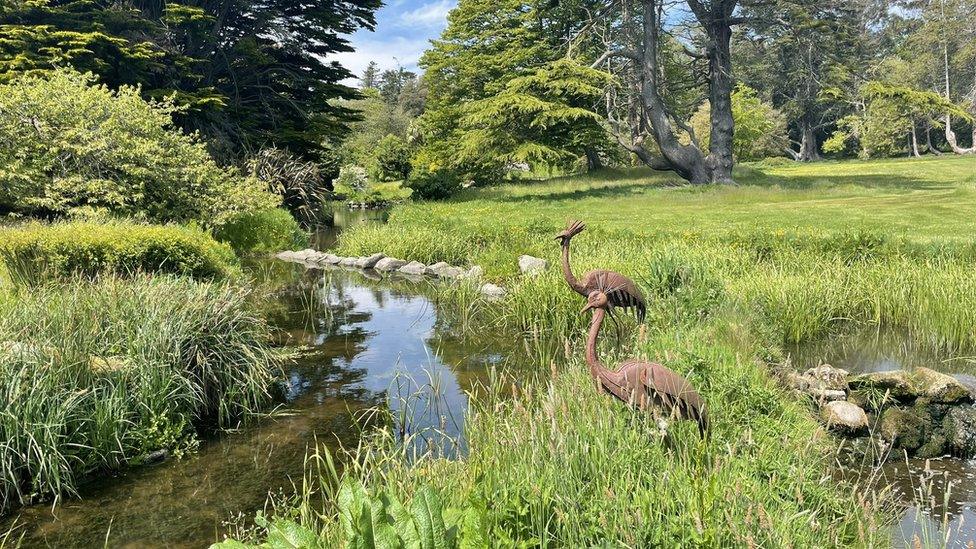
[361, 344]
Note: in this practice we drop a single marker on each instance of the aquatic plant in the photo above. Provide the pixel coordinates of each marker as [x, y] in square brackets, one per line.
[95, 375]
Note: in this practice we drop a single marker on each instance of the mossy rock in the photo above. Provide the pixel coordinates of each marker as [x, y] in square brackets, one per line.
[959, 426]
[935, 446]
[905, 429]
[907, 386]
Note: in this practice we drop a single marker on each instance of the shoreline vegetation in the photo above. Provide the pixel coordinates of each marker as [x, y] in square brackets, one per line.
[557, 463]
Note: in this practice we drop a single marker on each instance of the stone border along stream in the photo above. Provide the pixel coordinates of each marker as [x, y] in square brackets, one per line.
[377, 264]
[923, 412]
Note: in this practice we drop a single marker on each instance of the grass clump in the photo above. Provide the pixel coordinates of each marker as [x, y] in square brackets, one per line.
[35, 252]
[97, 374]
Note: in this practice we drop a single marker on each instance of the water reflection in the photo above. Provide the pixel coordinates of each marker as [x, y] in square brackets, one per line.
[357, 339]
[877, 350]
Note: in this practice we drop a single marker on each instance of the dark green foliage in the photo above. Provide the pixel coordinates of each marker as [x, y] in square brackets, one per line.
[99, 374]
[392, 159]
[37, 252]
[250, 74]
[270, 230]
[434, 185]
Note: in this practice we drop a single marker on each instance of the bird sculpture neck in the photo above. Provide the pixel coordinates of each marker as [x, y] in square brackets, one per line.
[568, 272]
[596, 367]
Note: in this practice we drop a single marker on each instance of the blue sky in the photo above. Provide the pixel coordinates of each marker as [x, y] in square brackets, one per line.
[403, 29]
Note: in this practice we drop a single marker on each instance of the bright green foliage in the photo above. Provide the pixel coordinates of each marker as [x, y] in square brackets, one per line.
[760, 130]
[391, 161]
[543, 118]
[69, 146]
[885, 125]
[98, 374]
[434, 185]
[491, 71]
[37, 252]
[355, 185]
[270, 230]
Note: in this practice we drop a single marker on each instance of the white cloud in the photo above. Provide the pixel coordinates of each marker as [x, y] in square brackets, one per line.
[432, 14]
[387, 53]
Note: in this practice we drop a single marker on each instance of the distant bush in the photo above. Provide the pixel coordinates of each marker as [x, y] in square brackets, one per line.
[392, 159]
[35, 252]
[69, 146]
[434, 185]
[760, 129]
[268, 230]
[354, 185]
[98, 375]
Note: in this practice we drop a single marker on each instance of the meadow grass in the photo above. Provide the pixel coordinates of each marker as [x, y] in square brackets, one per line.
[732, 274]
[96, 374]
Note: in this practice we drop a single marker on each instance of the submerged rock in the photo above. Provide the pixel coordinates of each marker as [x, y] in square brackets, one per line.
[369, 262]
[413, 268]
[389, 264]
[532, 265]
[844, 417]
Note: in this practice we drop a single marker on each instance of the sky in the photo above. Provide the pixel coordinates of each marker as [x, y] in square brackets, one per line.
[403, 29]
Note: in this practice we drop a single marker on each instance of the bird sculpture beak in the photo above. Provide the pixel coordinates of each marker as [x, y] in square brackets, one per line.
[587, 308]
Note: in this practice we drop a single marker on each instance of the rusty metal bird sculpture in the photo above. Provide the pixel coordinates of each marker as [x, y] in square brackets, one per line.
[625, 294]
[646, 385]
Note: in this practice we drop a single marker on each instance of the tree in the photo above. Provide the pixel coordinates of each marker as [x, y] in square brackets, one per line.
[248, 74]
[642, 31]
[370, 77]
[493, 81]
[760, 129]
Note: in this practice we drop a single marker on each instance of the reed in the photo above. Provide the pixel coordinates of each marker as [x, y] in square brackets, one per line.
[95, 375]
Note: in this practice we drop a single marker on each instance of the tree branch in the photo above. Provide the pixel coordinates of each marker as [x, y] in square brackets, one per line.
[629, 54]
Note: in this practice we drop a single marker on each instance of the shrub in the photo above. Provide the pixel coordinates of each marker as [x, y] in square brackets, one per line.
[354, 185]
[69, 145]
[300, 184]
[97, 375]
[268, 230]
[392, 159]
[35, 252]
[760, 129]
[434, 185]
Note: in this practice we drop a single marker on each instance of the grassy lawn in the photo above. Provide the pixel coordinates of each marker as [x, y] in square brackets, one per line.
[923, 198]
[732, 274]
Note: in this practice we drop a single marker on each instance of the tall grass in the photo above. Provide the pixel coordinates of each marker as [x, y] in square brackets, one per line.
[98, 374]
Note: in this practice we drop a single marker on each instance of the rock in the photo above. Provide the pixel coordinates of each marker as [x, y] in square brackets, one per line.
[532, 265]
[475, 272]
[348, 261]
[413, 268]
[904, 429]
[157, 456]
[827, 394]
[844, 417]
[369, 262]
[432, 269]
[939, 387]
[968, 381]
[493, 292]
[934, 447]
[389, 264]
[921, 382]
[959, 426]
[829, 377]
[448, 272]
[896, 382]
[328, 259]
[287, 255]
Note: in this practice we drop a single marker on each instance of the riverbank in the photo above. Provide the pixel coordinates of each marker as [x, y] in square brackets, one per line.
[561, 464]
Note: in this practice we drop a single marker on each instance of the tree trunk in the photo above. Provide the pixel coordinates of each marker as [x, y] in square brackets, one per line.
[593, 160]
[928, 140]
[720, 98]
[913, 142]
[808, 144]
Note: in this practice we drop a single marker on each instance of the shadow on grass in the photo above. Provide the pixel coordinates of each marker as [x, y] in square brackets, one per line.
[756, 177]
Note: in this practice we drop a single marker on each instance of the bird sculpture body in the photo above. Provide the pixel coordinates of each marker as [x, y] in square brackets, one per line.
[646, 385]
[624, 294]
